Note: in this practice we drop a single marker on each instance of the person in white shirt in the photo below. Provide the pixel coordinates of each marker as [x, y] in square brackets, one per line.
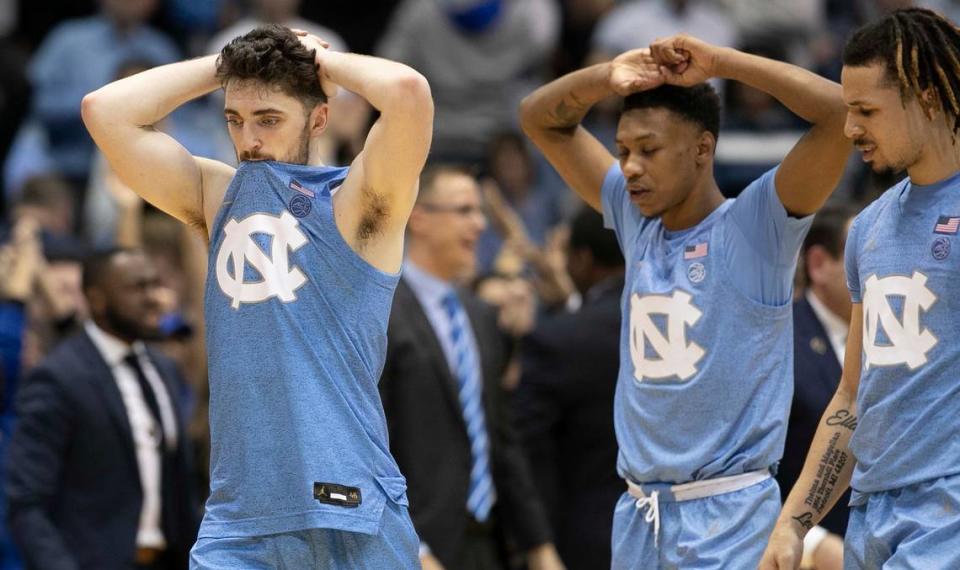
[99, 470]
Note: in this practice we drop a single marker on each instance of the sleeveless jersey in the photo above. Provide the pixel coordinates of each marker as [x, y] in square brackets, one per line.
[903, 265]
[706, 357]
[296, 337]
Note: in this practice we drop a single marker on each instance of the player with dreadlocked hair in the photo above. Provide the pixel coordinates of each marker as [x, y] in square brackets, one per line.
[891, 430]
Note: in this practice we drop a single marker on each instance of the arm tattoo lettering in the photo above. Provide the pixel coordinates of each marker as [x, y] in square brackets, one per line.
[843, 418]
[828, 475]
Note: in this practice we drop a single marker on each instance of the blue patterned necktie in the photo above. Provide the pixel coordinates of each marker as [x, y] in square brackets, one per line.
[481, 494]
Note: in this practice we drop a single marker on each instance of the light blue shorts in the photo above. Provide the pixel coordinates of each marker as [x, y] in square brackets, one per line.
[725, 532]
[395, 546]
[914, 527]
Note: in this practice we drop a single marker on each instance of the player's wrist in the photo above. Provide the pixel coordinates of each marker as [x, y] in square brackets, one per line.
[724, 63]
[796, 524]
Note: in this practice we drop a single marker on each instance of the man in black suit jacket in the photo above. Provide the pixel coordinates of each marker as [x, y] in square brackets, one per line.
[821, 318]
[565, 400]
[99, 473]
[423, 390]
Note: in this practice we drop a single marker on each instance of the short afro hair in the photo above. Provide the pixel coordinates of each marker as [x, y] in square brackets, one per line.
[699, 104]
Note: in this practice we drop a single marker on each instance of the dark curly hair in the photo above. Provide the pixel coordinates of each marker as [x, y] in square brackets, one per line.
[273, 55]
[919, 50]
[699, 104]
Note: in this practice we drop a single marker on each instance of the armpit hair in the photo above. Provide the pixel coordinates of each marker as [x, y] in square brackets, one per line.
[374, 216]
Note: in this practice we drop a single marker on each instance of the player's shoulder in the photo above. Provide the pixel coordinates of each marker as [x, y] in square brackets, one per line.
[882, 206]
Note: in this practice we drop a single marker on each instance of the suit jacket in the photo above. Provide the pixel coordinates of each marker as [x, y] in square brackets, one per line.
[428, 436]
[815, 380]
[565, 419]
[74, 484]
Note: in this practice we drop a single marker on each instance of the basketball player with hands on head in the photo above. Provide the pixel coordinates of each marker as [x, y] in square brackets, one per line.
[891, 430]
[303, 263]
[705, 373]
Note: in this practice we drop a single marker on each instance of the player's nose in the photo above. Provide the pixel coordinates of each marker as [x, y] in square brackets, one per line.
[852, 129]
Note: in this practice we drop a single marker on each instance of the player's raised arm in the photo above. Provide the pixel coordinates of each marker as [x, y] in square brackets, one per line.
[121, 118]
[818, 489]
[812, 169]
[551, 117]
[380, 190]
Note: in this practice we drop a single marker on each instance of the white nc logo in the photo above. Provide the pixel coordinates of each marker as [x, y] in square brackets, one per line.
[278, 279]
[676, 357]
[908, 344]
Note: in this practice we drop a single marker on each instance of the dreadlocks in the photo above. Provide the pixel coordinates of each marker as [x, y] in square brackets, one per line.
[921, 49]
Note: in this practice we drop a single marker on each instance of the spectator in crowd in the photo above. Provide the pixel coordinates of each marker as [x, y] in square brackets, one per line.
[480, 56]
[283, 12]
[20, 259]
[569, 374]
[469, 484]
[99, 463]
[789, 23]
[514, 172]
[757, 130]
[14, 99]
[821, 318]
[77, 57]
[637, 23]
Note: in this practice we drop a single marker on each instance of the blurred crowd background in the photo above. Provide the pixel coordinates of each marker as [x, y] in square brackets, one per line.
[547, 268]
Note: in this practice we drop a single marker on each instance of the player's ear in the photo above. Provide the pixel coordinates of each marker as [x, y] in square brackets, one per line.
[706, 146]
[318, 118]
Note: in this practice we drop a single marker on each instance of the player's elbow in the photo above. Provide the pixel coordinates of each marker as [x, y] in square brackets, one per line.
[91, 109]
[531, 120]
[413, 95]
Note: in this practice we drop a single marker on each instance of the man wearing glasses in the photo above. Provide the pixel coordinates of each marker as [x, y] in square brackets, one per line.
[468, 484]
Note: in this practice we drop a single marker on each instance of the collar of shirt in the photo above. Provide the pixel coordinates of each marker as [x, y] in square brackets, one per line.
[429, 290]
[835, 327]
[111, 348]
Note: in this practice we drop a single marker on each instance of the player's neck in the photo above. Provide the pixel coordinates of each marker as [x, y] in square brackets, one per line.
[939, 160]
[699, 204]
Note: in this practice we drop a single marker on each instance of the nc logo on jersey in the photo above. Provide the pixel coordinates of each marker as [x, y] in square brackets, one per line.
[278, 279]
[908, 343]
[674, 356]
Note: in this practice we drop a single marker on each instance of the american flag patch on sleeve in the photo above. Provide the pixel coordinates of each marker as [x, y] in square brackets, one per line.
[695, 251]
[947, 225]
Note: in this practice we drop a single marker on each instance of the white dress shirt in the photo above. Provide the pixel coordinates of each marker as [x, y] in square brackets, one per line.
[837, 329]
[143, 427]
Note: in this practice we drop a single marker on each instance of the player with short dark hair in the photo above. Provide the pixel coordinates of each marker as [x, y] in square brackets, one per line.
[705, 359]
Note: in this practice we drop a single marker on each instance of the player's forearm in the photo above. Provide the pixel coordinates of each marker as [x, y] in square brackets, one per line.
[560, 106]
[389, 86]
[145, 98]
[827, 470]
[813, 98]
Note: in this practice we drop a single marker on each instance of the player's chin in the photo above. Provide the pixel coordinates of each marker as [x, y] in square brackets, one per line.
[648, 207]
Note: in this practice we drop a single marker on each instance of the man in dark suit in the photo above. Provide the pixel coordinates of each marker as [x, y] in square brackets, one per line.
[468, 483]
[565, 400]
[821, 317]
[99, 474]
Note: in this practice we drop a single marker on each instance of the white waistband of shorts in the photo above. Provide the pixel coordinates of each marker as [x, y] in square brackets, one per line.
[700, 489]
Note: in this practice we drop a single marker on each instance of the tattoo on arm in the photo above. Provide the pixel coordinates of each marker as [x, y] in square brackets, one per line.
[843, 418]
[831, 465]
[805, 520]
[568, 112]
